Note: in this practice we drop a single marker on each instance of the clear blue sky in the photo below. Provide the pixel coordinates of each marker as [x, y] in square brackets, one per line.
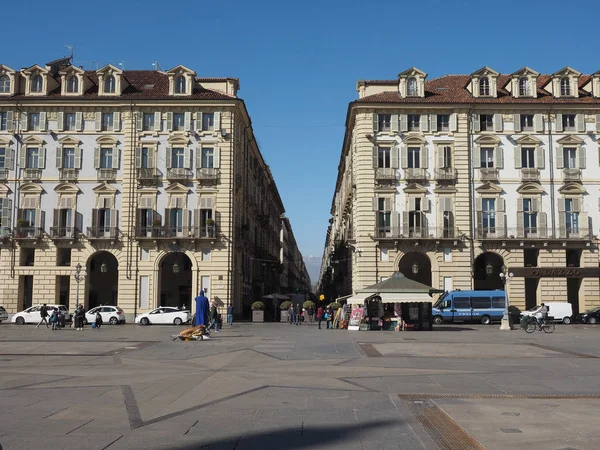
[298, 63]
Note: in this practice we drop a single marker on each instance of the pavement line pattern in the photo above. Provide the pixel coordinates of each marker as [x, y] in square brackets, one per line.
[370, 350]
[566, 352]
[441, 428]
[418, 397]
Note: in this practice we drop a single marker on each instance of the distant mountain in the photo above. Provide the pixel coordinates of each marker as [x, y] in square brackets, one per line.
[313, 266]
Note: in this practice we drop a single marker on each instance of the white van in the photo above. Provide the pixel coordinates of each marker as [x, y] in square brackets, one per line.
[562, 312]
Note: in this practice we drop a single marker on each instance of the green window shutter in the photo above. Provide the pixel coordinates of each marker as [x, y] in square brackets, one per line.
[534, 204]
[9, 121]
[139, 121]
[403, 123]
[116, 158]
[517, 122]
[558, 126]
[560, 163]
[434, 122]
[499, 158]
[138, 157]
[581, 157]
[77, 158]
[412, 204]
[157, 121]
[476, 157]
[424, 157]
[43, 123]
[498, 126]
[117, 121]
[216, 158]
[475, 123]
[186, 157]
[6, 212]
[597, 123]
[375, 156]
[152, 157]
[79, 121]
[424, 122]
[394, 157]
[520, 224]
[168, 157]
[60, 125]
[540, 158]
[538, 122]
[24, 121]
[198, 158]
[453, 122]
[169, 121]
[394, 223]
[59, 157]
[97, 157]
[580, 123]
[23, 158]
[404, 157]
[440, 157]
[375, 122]
[217, 120]
[405, 222]
[518, 160]
[10, 157]
[375, 204]
[187, 121]
[542, 225]
[98, 121]
[198, 121]
[42, 158]
[395, 124]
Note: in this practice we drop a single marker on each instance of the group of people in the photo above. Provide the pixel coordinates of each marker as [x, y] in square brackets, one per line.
[57, 318]
[207, 313]
[297, 314]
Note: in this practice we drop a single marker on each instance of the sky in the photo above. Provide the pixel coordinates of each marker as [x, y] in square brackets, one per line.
[298, 62]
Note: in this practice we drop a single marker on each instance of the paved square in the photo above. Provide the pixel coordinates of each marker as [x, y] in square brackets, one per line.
[276, 386]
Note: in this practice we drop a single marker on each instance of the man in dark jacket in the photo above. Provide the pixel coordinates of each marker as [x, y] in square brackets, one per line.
[80, 316]
[43, 315]
[214, 318]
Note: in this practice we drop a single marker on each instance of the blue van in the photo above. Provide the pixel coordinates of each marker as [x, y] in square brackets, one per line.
[469, 306]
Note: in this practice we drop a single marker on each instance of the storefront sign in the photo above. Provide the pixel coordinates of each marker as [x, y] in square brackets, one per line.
[555, 272]
[355, 318]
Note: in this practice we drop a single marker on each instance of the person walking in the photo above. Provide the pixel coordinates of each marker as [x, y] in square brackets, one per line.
[80, 316]
[214, 318]
[230, 315]
[98, 320]
[311, 315]
[54, 319]
[329, 317]
[319, 316]
[299, 315]
[292, 314]
[43, 315]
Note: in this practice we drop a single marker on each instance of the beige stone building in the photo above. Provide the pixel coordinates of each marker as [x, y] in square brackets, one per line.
[151, 181]
[450, 179]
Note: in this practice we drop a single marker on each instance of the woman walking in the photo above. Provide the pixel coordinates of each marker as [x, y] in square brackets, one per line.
[319, 316]
[80, 317]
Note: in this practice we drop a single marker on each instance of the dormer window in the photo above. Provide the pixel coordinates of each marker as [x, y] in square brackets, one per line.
[484, 86]
[37, 83]
[412, 87]
[73, 85]
[565, 87]
[110, 85]
[4, 84]
[180, 85]
[524, 87]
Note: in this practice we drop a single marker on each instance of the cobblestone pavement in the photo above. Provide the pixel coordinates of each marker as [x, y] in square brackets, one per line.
[276, 386]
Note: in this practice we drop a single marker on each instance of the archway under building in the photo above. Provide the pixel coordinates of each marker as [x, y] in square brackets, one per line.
[486, 272]
[175, 288]
[416, 266]
[103, 273]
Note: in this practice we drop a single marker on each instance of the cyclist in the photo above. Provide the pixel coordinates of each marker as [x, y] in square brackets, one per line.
[542, 315]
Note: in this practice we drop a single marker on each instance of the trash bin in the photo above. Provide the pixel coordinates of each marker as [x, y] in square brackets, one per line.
[523, 322]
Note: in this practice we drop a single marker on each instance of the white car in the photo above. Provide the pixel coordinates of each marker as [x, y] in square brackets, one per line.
[32, 314]
[561, 311]
[3, 314]
[164, 315]
[110, 314]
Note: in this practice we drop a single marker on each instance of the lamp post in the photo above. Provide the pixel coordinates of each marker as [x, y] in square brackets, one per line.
[506, 277]
[79, 276]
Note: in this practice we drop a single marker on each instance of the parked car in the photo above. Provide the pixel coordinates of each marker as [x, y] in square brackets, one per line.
[110, 314]
[469, 306]
[164, 315]
[32, 314]
[561, 311]
[3, 314]
[591, 316]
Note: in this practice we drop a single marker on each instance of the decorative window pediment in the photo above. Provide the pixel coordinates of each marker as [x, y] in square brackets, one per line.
[565, 83]
[414, 139]
[530, 189]
[107, 140]
[489, 188]
[411, 83]
[523, 83]
[67, 189]
[36, 80]
[487, 141]
[570, 140]
[5, 142]
[33, 140]
[110, 80]
[8, 81]
[31, 189]
[177, 189]
[415, 188]
[178, 140]
[595, 86]
[572, 189]
[105, 189]
[484, 83]
[73, 81]
[4, 190]
[69, 140]
[528, 140]
[181, 80]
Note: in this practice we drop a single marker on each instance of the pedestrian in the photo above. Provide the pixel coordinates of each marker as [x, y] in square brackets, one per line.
[98, 320]
[214, 318]
[202, 308]
[61, 319]
[298, 315]
[43, 315]
[230, 315]
[80, 316]
[54, 319]
[311, 315]
[329, 317]
[292, 314]
[319, 316]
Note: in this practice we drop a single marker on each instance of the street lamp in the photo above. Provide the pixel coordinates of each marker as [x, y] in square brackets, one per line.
[175, 268]
[103, 268]
[506, 277]
[489, 269]
[415, 268]
[79, 276]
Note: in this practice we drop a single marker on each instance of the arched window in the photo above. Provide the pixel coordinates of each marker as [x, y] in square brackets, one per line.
[37, 83]
[73, 84]
[109, 85]
[484, 86]
[180, 85]
[412, 88]
[524, 86]
[565, 86]
[4, 83]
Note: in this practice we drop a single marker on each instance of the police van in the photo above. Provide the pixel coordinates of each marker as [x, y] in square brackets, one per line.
[469, 306]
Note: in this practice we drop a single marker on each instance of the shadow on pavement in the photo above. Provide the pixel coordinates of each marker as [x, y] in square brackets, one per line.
[451, 328]
[297, 438]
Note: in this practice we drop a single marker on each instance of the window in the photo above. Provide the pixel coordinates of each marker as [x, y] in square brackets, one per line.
[145, 155]
[524, 87]
[106, 158]
[180, 85]
[384, 157]
[414, 157]
[110, 85]
[487, 157]
[384, 122]
[527, 122]
[178, 121]
[176, 219]
[146, 218]
[480, 302]
[208, 155]
[29, 216]
[443, 122]
[412, 87]
[488, 214]
[69, 124]
[530, 257]
[498, 302]
[415, 218]
[462, 303]
[414, 121]
[486, 122]
[34, 121]
[177, 158]
[63, 256]
[68, 160]
[529, 217]
[528, 157]
[447, 157]
[383, 216]
[571, 217]
[37, 83]
[205, 215]
[208, 122]
[33, 156]
[565, 87]
[568, 121]
[73, 84]
[104, 220]
[484, 86]
[148, 122]
[570, 158]
[3, 121]
[4, 84]
[107, 121]
[3, 158]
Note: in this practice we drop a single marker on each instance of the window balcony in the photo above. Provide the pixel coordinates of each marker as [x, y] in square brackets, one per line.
[68, 174]
[107, 174]
[490, 233]
[571, 175]
[386, 174]
[207, 174]
[32, 174]
[148, 174]
[529, 174]
[487, 174]
[205, 232]
[179, 174]
[111, 233]
[5, 233]
[3, 174]
[420, 233]
[165, 232]
[447, 174]
[28, 233]
[66, 233]
[416, 174]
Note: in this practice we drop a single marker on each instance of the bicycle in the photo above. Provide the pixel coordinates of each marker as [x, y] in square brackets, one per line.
[533, 324]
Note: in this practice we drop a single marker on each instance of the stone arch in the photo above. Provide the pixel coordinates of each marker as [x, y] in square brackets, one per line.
[102, 269]
[487, 267]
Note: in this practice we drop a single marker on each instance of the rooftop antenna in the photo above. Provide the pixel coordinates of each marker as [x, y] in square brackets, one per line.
[72, 52]
[122, 65]
[156, 65]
